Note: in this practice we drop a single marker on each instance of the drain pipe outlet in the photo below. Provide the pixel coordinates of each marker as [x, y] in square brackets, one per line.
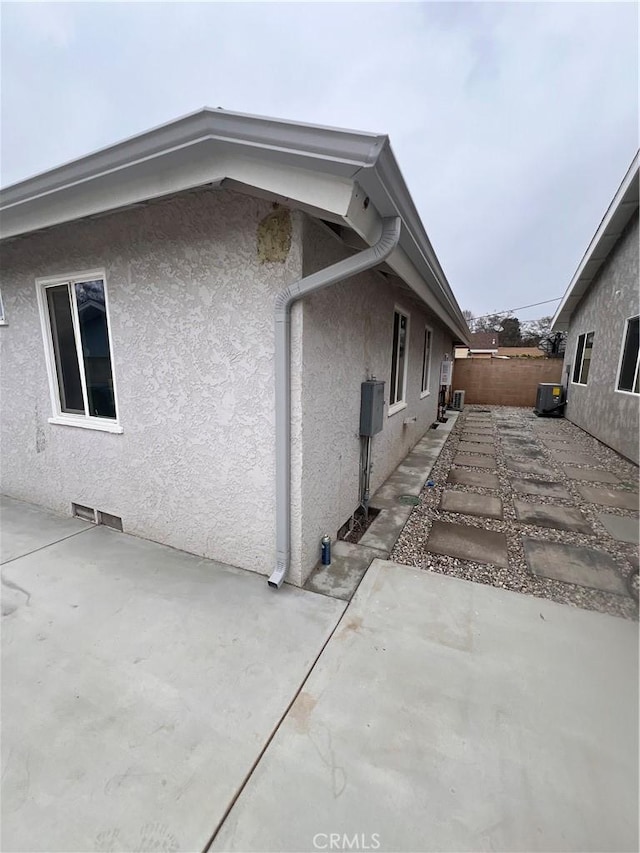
[351, 266]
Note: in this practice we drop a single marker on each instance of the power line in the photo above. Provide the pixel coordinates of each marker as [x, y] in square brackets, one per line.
[521, 308]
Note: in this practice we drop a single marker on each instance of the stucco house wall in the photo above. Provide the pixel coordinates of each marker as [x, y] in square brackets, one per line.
[347, 336]
[608, 414]
[191, 321]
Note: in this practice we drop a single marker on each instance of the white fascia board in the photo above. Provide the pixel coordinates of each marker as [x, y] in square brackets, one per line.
[619, 212]
[345, 150]
[198, 165]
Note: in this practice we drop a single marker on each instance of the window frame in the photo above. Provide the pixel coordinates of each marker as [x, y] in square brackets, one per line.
[625, 335]
[584, 335]
[426, 391]
[84, 421]
[401, 402]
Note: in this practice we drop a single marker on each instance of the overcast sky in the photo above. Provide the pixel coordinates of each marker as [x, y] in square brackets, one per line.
[513, 123]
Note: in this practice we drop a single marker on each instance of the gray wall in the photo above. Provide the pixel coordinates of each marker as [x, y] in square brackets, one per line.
[599, 408]
[347, 336]
[191, 313]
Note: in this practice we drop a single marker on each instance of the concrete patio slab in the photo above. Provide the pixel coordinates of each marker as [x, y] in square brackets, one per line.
[445, 715]
[468, 503]
[474, 460]
[528, 466]
[610, 497]
[572, 457]
[476, 447]
[593, 475]
[139, 684]
[543, 488]
[483, 479]
[573, 564]
[349, 562]
[27, 528]
[468, 543]
[620, 527]
[552, 515]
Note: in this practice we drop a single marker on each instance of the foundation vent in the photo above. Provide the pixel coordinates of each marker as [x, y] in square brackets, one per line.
[86, 513]
[110, 520]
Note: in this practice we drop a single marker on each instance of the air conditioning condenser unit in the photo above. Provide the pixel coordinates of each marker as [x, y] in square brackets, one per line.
[458, 401]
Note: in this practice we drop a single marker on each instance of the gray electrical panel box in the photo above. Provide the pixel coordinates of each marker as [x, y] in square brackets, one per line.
[371, 407]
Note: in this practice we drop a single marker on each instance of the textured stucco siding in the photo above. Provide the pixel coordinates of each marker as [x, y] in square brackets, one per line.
[191, 313]
[347, 334]
[598, 408]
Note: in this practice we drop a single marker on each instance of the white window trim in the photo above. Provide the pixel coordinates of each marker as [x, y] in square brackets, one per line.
[425, 392]
[575, 355]
[60, 417]
[635, 376]
[402, 403]
[3, 319]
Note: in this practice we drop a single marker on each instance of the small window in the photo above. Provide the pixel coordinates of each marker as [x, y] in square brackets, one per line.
[397, 393]
[629, 362]
[78, 349]
[3, 321]
[426, 361]
[583, 358]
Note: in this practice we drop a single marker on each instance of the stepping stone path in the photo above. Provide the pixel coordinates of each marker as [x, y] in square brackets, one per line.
[620, 527]
[464, 477]
[467, 503]
[610, 497]
[551, 515]
[542, 488]
[573, 564]
[468, 543]
[540, 458]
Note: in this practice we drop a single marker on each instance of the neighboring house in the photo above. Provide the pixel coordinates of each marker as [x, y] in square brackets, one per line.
[600, 313]
[520, 352]
[482, 345]
[189, 316]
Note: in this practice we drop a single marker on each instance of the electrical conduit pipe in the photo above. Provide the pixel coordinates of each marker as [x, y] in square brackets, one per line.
[365, 260]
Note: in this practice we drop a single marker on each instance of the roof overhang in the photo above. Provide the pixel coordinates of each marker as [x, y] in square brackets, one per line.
[348, 176]
[619, 213]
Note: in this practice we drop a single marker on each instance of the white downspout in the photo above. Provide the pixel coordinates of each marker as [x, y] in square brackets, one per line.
[364, 260]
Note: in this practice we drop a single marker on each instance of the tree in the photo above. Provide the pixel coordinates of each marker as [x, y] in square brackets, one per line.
[534, 331]
[468, 316]
[510, 335]
[489, 323]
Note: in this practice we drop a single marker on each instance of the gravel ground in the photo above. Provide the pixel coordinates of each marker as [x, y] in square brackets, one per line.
[410, 547]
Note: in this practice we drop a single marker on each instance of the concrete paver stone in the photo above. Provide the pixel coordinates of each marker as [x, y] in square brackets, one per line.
[477, 437]
[574, 564]
[474, 461]
[529, 466]
[610, 497]
[593, 475]
[483, 479]
[472, 447]
[621, 527]
[468, 503]
[541, 487]
[572, 457]
[468, 543]
[551, 515]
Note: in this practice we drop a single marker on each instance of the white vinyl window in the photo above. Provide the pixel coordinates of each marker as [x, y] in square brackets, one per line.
[426, 362]
[398, 385]
[582, 362]
[75, 325]
[630, 358]
[3, 321]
